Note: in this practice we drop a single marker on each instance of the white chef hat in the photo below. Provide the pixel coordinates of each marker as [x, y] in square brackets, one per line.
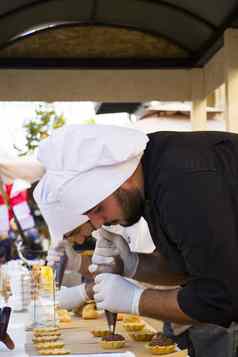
[84, 165]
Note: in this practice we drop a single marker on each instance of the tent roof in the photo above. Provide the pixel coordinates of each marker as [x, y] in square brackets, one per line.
[113, 34]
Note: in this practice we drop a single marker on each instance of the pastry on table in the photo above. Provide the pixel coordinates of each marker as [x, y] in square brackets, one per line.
[113, 341]
[49, 345]
[45, 329]
[63, 315]
[120, 317]
[143, 335]
[134, 326]
[131, 318]
[101, 333]
[45, 332]
[50, 338]
[161, 345]
[89, 312]
[54, 351]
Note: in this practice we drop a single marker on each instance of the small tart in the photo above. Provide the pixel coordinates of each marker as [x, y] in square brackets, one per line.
[113, 342]
[144, 335]
[63, 315]
[45, 329]
[161, 344]
[101, 333]
[133, 326]
[45, 338]
[161, 350]
[52, 344]
[54, 351]
[132, 318]
[45, 333]
[89, 312]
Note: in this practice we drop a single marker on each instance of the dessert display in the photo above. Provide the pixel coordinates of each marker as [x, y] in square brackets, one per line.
[101, 333]
[143, 335]
[113, 341]
[160, 344]
[46, 341]
[89, 312]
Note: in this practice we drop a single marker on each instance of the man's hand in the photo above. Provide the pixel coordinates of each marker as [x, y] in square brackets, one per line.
[69, 298]
[110, 245]
[116, 294]
[64, 247]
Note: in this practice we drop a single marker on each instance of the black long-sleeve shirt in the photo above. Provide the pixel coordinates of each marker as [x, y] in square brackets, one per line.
[191, 189]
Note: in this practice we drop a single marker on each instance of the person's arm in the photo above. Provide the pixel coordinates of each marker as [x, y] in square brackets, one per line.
[117, 294]
[163, 305]
[154, 269]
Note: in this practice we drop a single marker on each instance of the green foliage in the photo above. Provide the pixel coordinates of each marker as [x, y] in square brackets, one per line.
[89, 121]
[40, 127]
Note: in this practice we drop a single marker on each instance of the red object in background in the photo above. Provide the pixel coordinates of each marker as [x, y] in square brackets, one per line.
[20, 197]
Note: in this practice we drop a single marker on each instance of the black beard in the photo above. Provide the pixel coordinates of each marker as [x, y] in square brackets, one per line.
[132, 204]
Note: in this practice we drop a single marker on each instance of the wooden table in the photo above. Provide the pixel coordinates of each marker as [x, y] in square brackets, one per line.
[79, 339]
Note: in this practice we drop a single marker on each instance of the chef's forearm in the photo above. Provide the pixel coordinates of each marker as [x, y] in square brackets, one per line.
[163, 305]
[154, 269]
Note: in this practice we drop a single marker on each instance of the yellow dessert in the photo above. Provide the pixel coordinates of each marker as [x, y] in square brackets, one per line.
[133, 326]
[143, 335]
[37, 339]
[161, 345]
[52, 344]
[112, 342]
[89, 312]
[101, 333]
[54, 351]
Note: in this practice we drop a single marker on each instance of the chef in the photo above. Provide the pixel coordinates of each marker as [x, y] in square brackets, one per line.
[185, 186]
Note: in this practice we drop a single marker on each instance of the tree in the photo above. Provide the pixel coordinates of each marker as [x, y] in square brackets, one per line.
[40, 127]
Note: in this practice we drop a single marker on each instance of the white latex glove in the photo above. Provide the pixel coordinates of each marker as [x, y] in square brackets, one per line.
[110, 245]
[56, 252]
[114, 293]
[72, 297]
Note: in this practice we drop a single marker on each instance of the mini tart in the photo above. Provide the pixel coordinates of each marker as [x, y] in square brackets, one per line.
[144, 335]
[49, 345]
[45, 338]
[133, 326]
[160, 345]
[45, 333]
[112, 342]
[131, 318]
[89, 312]
[63, 315]
[101, 333]
[45, 329]
[54, 351]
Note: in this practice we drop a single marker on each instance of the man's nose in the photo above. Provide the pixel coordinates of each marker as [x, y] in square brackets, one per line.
[97, 221]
